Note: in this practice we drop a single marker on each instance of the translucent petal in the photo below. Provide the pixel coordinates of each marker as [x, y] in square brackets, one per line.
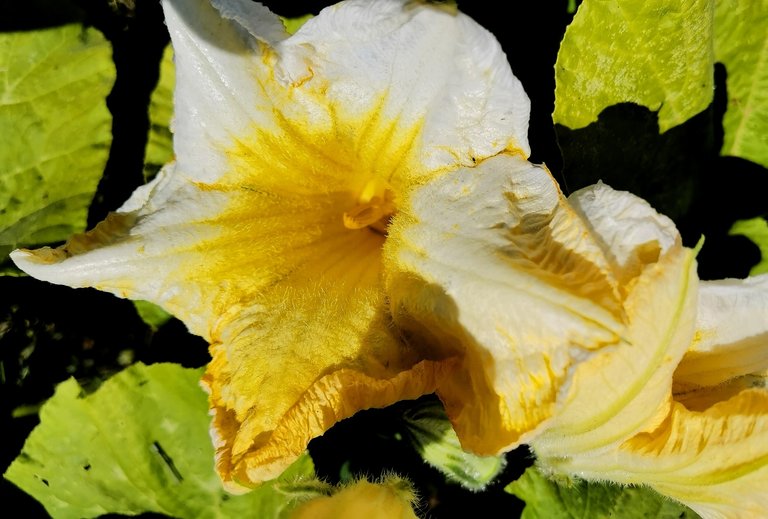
[492, 264]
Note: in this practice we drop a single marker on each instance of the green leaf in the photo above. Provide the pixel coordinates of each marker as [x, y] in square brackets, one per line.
[151, 314]
[56, 131]
[546, 499]
[159, 150]
[138, 444]
[756, 230]
[435, 440]
[741, 44]
[655, 53]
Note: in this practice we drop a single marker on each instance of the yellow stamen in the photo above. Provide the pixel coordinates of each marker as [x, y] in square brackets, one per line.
[374, 207]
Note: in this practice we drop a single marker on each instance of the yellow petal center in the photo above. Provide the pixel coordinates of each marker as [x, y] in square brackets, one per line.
[375, 207]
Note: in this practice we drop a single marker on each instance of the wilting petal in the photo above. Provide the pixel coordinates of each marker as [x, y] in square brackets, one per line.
[625, 388]
[630, 231]
[715, 460]
[492, 263]
[265, 236]
[731, 333]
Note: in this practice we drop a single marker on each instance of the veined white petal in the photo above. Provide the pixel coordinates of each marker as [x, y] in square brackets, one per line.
[626, 389]
[731, 332]
[423, 62]
[218, 63]
[491, 261]
[427, 69]
[137, 251]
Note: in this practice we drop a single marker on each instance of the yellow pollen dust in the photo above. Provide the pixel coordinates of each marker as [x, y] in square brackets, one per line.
[374, 208]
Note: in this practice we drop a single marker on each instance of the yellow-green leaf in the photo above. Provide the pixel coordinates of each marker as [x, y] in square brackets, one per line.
[756, 229]
[159, 150]
[293, 24]
[655, 53]
[56, 131]
[140, 443]
[151, 314]
[741, 44]
[548, 499]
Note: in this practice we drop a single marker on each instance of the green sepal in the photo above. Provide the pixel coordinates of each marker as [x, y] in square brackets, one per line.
[433, 436]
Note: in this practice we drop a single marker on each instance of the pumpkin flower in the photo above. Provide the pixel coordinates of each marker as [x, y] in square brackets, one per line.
[351, 220]
[296, 156]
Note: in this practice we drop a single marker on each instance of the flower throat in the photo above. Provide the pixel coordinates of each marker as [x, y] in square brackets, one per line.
[375, 207]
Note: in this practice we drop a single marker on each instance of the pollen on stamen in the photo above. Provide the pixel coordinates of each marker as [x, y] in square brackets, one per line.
[375, 206]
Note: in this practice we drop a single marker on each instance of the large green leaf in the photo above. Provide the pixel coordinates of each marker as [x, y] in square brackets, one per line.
[138, 444]
[741, 44]
[159, 149]
[655, 53]
[546, 499]
[56, 131]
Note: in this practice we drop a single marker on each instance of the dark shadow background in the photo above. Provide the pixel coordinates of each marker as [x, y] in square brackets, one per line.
[49, 333]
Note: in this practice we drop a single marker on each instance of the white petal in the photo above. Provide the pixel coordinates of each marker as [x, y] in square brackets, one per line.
[415, 68]
[492, 262]
[426, 64]
[633, 234]
[137, 252]
[217, 66]
[732, 332]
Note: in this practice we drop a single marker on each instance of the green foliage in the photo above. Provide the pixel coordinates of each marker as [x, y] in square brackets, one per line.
[547, 499]
[741, 29]
[152, 314]
[56, 131]
[655, 53]
[756, 229]
[159, 150]
[138, 444]
[434, 438]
